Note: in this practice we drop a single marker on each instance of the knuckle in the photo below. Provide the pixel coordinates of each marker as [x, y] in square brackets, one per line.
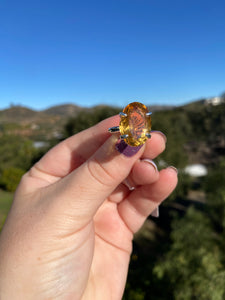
[100, 173]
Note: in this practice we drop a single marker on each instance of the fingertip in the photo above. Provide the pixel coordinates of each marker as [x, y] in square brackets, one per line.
[144, 172]
[159, 133]
[109, 122]
[155, 145]
[170, 174]
[173, 169]
[151, 162]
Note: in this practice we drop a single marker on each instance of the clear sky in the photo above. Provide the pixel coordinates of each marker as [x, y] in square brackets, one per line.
[92, 52]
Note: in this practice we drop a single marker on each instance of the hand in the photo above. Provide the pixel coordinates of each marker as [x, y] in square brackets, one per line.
[69, 232]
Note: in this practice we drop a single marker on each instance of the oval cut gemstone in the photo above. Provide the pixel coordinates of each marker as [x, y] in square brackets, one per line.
[135, 123]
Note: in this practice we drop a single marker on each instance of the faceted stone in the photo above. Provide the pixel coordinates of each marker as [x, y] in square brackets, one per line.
[135, 124]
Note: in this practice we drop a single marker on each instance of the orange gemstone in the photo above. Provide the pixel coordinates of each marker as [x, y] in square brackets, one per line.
[136, 124]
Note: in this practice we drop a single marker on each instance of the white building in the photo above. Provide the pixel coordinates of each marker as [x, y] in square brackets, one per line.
[196, 170]
[215, 101]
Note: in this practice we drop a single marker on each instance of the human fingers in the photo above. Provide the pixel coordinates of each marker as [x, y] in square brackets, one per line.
[144, 170]
[82, 192]
[155, 145]
[142, 201]
[72, 152]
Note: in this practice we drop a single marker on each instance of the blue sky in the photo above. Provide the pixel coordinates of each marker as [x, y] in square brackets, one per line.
[110, 52]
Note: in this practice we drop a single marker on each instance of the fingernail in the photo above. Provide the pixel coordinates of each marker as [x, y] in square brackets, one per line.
[126, 149]
[173, 168]
[162, 134]
[151, 162]
[155, 212]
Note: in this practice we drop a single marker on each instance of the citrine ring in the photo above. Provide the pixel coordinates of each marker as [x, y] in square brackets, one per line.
[135, 124]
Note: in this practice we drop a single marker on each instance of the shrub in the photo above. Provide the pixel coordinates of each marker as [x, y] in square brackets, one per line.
[10, 178]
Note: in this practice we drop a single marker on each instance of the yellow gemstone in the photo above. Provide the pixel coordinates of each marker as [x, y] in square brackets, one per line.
[136, 124]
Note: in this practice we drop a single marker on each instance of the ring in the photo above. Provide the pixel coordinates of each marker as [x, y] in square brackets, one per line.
[155, 212]
[135, 124]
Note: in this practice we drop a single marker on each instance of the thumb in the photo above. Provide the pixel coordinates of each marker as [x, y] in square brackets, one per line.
[86, 188]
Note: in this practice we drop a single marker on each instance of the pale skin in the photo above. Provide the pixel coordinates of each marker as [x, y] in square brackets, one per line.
[69, 232]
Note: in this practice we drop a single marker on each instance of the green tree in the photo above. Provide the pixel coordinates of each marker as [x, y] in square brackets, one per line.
[86, 119]
[193, 265]
[176, 127]
[215, 191]
[17, 155]
[182, 189]
[16, 151]
[10, 178]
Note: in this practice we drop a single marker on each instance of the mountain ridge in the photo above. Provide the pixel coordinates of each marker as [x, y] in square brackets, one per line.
[16, 113]
[19, 112]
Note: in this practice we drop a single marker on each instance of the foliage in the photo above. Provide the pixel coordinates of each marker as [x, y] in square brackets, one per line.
[86, 119]
[184, 126]
[182, 189]
[186, 259]
[133, 294]
[193, 265]
[5, 203]
[16, 151]
[16, 156]
[10, 178]
[207, 121]
[190, 126]
[176, 127]
[215, 189]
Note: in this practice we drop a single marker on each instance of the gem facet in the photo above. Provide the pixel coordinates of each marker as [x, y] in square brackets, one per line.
[136, 123]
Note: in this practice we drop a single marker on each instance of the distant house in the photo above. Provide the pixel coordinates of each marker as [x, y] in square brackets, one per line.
[215, 101]
[196, 170]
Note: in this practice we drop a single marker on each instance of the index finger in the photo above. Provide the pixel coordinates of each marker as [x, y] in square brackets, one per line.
[72, 152]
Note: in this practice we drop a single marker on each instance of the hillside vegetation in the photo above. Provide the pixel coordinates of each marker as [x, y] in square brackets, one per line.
[179, 255]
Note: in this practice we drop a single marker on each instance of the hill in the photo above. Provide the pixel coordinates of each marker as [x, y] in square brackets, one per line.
[45, 123]
[21, 113]
[195, 134]
[18, 114]
[68, 110]
[195, 129]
